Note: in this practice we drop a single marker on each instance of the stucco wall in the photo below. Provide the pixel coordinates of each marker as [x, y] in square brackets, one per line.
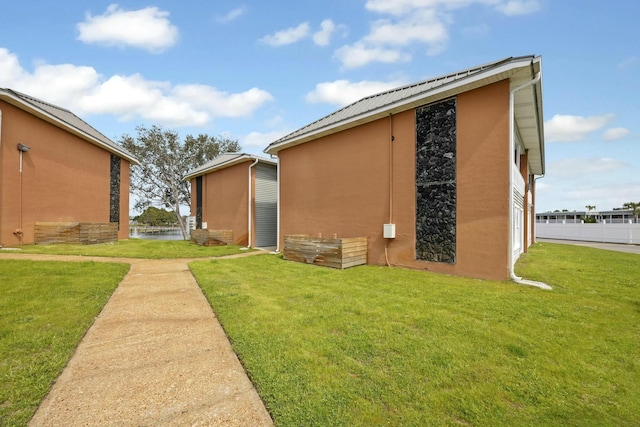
[224, 200]
[64, 178]
[340, 184]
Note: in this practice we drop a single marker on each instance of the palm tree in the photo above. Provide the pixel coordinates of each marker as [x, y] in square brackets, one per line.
[587, 218]
[635, 207]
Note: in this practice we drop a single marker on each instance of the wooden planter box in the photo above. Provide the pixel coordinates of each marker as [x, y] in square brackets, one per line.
[83, 233]
[206, 237]
[336, 253]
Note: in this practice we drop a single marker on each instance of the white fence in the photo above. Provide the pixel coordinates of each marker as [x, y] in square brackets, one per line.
[600, 232]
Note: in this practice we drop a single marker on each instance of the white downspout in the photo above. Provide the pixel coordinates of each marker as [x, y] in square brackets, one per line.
[512, 129]
[535, 181]
[278, 207]
[0, 179]
[249, 208]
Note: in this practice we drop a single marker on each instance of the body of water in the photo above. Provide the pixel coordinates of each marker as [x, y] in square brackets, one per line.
[159, 235]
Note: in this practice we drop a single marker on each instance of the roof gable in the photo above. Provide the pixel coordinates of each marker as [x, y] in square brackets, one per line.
[64, 119]
[404, 98]
[226, 160]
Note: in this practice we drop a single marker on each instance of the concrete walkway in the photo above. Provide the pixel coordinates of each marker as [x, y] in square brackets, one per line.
[155, 356]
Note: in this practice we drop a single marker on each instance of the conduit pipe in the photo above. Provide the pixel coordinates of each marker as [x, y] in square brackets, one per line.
[0, 179]
[19, 232]
[512, 129]
[391, 138]
[249, 211]
[278, 205]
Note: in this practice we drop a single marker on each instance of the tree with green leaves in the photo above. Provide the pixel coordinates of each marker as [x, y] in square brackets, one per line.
[164, 162]
[156, 217]
[635, 207]
[590, 219]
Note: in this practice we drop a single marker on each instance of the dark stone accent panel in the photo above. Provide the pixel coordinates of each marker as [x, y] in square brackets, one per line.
[436, 182]
[436, 223]
[198, 202]
[114, 196]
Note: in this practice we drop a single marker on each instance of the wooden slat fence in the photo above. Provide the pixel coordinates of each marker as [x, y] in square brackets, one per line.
[336, 253]
[83, 233]
[206, 237]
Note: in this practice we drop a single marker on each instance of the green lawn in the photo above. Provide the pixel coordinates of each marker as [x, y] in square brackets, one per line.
[136, 248]
[386, 346]
[45, 309]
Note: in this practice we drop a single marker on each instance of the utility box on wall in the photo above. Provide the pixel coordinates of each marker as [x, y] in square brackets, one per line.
[389, 231]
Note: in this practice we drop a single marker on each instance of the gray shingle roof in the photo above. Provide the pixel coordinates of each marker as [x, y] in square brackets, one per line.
[67, 120]
[395, 100]
[225, 160]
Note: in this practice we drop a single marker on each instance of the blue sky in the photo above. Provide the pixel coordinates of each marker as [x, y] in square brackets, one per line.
[256, 70]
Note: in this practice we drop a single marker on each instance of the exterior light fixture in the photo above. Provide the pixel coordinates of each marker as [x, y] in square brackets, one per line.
[23, 148]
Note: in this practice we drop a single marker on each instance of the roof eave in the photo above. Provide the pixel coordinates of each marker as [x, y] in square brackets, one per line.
[50, 118]
[241, 158]
[441, 92]
[535, 144]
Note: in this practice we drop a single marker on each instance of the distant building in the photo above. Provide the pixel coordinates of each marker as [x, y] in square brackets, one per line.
[238, 192]
[54, 167]
[615, 216]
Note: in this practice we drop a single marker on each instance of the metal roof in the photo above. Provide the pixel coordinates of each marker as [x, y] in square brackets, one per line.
[224, 161]
[64, 119]
[528, 104]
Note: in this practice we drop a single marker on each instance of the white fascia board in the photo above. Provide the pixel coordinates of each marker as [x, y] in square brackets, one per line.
[242, 157]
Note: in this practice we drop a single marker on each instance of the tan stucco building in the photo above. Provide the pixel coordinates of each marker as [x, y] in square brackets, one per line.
[449, 162]
[54, 167]
[237, 192]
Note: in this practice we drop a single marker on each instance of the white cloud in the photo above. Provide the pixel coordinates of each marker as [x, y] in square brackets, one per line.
[569, 128]
[359, 54]
[84, 91]
[412, 23]
[232, 15]
[131, 97]
[323, 37]
[344, 92]
[576, 194]
[614, 134]
[403, 7]
[287, 36]
[222, 104]
[387, 39]
[581, 167]
[476, 31]
[604, 197]
[421, 27]
[261, 140]
[58, 84]
[518, 7]
[147, 28]
[10, 69]
[275, 121]
[628, 62]
[543, 187]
